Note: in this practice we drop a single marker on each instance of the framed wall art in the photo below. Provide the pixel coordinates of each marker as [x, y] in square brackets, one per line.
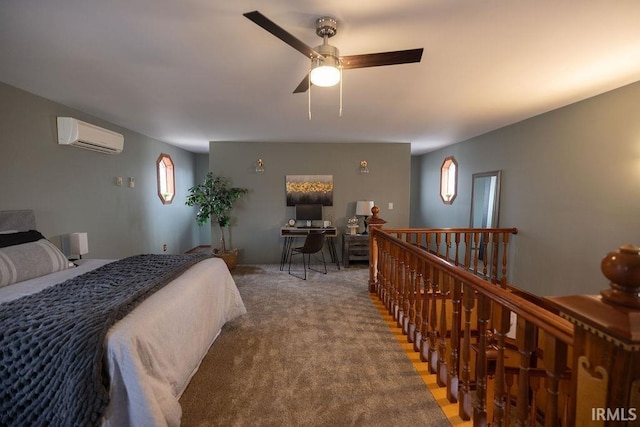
[309, 189]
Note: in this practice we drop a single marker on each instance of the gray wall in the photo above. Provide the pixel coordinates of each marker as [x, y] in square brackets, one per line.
[570, 184]
[259, 215]
[72, 189]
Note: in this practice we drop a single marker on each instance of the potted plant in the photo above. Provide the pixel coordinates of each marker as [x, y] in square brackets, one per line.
[216, 197]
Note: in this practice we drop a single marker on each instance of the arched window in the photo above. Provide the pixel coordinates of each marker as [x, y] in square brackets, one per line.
[449, 180]
[166, 178]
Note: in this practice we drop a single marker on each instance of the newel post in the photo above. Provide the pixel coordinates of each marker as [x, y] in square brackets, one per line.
[375, 223]
[606, 348]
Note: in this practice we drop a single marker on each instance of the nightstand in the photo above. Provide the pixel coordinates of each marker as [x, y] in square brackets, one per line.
[355, 247]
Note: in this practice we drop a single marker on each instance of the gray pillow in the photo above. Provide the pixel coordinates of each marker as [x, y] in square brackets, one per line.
[29, 260]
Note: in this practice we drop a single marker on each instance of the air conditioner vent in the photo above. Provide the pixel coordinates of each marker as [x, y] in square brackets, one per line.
[80, 134]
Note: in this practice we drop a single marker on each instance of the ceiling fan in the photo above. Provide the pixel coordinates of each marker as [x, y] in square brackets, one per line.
[326, 62]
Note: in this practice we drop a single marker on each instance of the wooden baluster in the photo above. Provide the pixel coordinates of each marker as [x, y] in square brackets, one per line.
[388, 266]
[424, 329]
[534, 381]
[454, 341]
[495, 246]
[429, 237]
[555, 362]
[382, 274]
[457, 241]
[484, 243]
[406, 282]
[502, 323]
[480, 407]
[509, 377]
[447, 242]
[373, 263]
[411, 321]
[399, 267]
[438, 243]
[441, 364]
[465, 408]
[505, 249]
[565, 391]
[407, 289]
[476, 251]
[390, 278]
[525, 339]
[417, 336]
[467, 250]
[397, 310]
[433, 331]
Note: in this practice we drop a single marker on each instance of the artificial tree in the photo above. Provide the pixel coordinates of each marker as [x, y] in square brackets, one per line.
[215, 198]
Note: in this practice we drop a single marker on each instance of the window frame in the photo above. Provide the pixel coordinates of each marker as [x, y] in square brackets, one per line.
[165, 172]
[447, 175]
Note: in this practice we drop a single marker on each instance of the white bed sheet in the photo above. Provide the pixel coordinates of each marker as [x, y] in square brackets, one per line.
[153, 352]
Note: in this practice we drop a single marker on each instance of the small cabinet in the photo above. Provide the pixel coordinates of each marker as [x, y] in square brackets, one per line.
[355, 247]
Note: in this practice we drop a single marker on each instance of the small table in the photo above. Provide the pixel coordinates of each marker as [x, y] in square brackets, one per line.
[355, 247]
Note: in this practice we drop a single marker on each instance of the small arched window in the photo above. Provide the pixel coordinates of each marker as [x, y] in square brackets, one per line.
[166, 178]
[449, 180]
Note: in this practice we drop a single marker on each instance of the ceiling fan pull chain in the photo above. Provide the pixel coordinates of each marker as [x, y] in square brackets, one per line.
[340, 112]
[309, 80]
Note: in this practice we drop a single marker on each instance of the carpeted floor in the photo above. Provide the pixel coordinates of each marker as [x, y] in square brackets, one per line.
[307, 353]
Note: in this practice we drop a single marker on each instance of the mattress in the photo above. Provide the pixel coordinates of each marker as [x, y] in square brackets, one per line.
[152, 353]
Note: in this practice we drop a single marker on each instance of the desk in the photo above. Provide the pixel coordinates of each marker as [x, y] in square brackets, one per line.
[291, 233]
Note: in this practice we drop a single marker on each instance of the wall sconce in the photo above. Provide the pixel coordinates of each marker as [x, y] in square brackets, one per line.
[364, 168]
[260, 166]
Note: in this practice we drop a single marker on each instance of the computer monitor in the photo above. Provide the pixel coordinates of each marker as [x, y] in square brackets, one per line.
[309, 212]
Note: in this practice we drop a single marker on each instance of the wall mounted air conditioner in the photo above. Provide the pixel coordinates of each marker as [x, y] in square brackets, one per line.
[85, 135]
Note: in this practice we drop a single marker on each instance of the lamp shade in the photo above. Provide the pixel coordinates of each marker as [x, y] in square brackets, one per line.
[79, 243]
[363, 207]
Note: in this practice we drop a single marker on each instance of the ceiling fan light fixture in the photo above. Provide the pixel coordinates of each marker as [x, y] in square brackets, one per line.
[325, 70]
[325, 76]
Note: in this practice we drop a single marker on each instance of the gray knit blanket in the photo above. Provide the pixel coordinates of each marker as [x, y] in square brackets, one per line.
[52, 342]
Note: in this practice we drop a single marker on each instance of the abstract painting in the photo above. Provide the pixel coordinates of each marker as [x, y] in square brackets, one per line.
[309, 189]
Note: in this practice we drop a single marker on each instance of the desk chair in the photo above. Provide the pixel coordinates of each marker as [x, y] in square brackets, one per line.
[313, 243]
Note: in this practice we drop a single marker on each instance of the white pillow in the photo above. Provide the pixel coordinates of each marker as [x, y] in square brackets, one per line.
[29, 260]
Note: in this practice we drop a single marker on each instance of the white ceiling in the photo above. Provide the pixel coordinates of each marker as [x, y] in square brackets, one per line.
[187, 72]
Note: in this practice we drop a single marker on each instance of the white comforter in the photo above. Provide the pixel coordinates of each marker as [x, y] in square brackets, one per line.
[154, 351]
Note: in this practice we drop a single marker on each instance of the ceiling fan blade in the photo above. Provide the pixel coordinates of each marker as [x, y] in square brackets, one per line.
[382, 58]
[303, 86]
[264, 22]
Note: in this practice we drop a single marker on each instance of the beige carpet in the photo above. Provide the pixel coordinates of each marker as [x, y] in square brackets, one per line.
[307, 353]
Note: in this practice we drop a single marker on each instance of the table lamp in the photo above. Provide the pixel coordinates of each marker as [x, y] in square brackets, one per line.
[363, 208]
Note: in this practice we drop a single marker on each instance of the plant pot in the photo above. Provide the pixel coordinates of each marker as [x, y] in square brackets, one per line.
[230, 257]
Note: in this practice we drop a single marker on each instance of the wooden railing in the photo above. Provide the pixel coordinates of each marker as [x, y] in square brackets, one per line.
[505, 357]
[482, 251]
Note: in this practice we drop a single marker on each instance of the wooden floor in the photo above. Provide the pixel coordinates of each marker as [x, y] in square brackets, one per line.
[439, 393]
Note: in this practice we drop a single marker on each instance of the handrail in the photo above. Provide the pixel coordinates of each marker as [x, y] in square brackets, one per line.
[543, 319]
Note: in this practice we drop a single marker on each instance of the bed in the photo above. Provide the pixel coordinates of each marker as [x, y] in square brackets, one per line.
[149, 355]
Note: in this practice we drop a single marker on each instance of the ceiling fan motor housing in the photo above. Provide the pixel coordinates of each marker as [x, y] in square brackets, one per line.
[330, 55]
[326, 26]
